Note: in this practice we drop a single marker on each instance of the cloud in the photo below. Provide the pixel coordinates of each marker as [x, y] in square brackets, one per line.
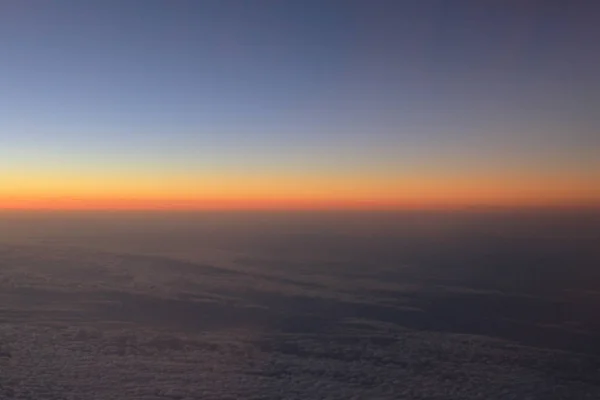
[96, 324]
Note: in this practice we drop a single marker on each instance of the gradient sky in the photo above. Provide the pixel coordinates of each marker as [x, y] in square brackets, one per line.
[286, 104]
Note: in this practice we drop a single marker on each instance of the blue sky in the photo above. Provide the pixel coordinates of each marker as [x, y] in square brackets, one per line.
[351, 85]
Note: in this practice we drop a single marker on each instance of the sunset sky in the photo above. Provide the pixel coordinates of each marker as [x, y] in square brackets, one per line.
[298, 104]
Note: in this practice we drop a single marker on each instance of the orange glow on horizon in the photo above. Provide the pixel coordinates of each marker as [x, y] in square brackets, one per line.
[266, 204]
[284, 191]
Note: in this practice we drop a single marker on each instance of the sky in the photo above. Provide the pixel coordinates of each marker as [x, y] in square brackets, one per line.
[299, 104]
